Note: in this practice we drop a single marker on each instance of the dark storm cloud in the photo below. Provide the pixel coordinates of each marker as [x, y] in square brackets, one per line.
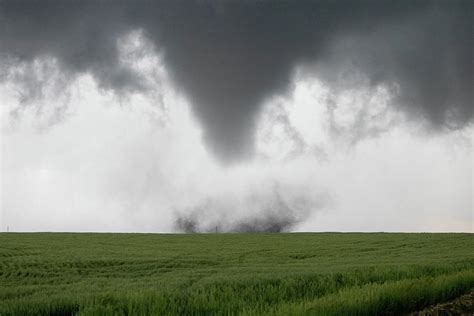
[228, 56]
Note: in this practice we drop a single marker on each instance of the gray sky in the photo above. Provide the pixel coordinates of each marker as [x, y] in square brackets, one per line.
[236, 116]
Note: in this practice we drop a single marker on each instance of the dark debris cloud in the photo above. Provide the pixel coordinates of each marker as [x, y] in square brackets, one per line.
[228, 57]
[278, 210]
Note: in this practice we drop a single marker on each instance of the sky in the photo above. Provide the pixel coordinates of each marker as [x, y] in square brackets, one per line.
[223, 116]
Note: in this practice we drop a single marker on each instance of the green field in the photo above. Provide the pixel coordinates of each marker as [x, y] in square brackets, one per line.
[202, 274]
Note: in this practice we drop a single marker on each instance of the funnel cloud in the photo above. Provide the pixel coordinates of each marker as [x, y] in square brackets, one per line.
[228, 57]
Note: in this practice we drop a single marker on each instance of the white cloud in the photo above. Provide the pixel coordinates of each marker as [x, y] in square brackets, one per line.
[127, 163]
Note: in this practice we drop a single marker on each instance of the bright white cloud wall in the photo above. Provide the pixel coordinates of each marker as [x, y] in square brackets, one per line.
[128, 163]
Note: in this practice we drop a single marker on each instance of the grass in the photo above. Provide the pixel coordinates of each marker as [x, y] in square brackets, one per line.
[221, 274]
